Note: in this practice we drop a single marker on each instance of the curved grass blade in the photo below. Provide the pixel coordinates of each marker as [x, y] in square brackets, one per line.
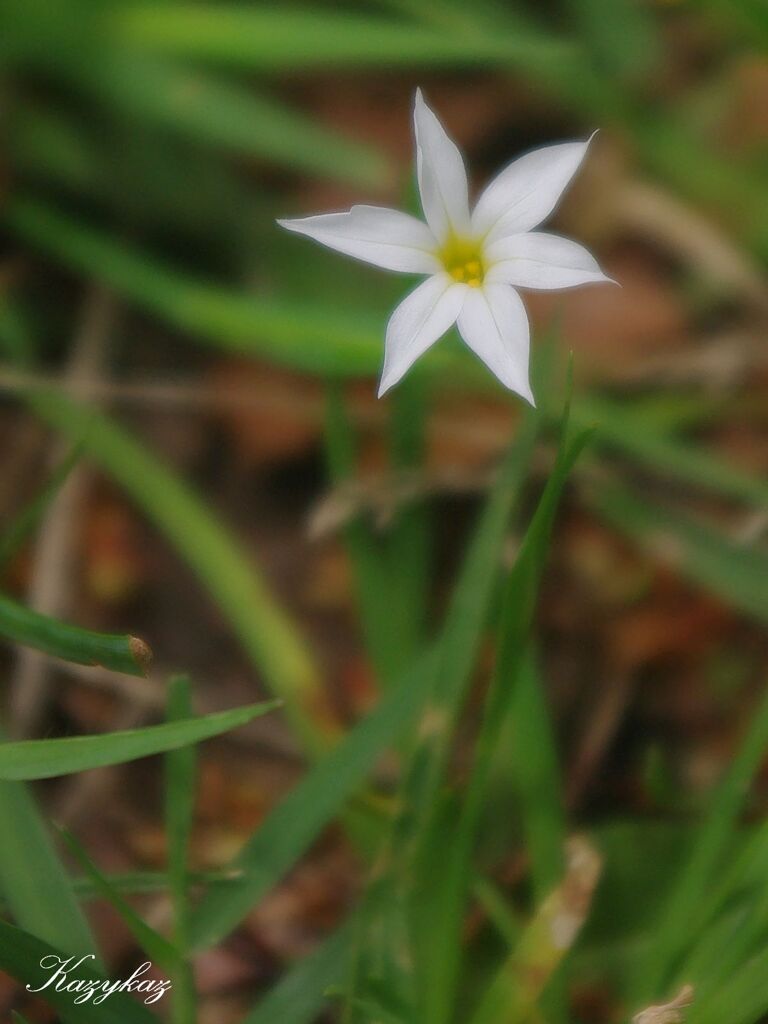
[515, 988]
[312, 337]
[133, 883]
[267, 634]
[179, 812]
[444, 874]
[20, 956]
[25, 524]
[736, 572]
[36, 888]
[365, 551]
[536, 775]
[47, 759]
[742, 998]
[278, 38]
[697, 884]
[119, 653]
[157, 948]
[629, 432]
[227, 116]
[301, 993]
[296, 822]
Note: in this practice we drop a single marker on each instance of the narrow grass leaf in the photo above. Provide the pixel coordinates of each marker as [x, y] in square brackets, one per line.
[133, 883]
[300, 995]
[233, 580]
[622, 37]
[366, 552]
[536, 775]
[312, 337]
[15, 535]
[37, 890]
[47, 759]
[21, 625]
[228, 116]
[689, 900]
[20, 956]
[157, 948]
[630, 433]
[515, 988]
[179, 802]
[297, 821]
[458, 645]
[741, 999]
[274, 38]
[179, 814]
[444, 874]
[738, 573]
[409, 544]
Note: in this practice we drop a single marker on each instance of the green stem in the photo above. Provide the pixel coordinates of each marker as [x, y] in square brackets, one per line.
[82, 646]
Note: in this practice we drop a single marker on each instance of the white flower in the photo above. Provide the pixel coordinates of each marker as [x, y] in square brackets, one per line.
[474, 261]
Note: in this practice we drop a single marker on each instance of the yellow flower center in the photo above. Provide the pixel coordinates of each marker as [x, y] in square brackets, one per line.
[463, 260]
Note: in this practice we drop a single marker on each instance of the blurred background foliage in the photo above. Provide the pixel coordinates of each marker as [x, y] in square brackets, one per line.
[153, 316]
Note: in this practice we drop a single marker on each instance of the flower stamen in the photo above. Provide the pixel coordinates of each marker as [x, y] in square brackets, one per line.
[463, 260]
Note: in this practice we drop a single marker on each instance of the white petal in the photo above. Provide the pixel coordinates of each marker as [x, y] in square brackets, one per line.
[538, 260]
[420, 319]
[494, 324]
[386, 238]
[526, 192]
[441, 173]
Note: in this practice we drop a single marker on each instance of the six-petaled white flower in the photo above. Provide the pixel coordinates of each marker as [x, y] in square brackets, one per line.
[476, 261]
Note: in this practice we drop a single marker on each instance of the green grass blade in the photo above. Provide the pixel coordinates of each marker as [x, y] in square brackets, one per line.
[306, 336]
[224, 115]
[179, 814]
[748, 16]
[26, 523]
[629, 432]
[179, 801]
[182, 187]
[301, 993]
[459, 641]
[20, 956]
[279, 38]
[444, 874]
[622, 37]
[157, 948]
[21, 625]
[515, 988]
[737, 573]
[232, 579]
[36, 888]
[297, 821]
[390, 565]
[536, 775]
[365, 551]
[688, 904]
[409, 534]
[47, 759]
[742, 998]
[133, 883]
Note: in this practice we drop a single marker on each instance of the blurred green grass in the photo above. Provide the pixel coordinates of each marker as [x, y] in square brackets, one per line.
[149, 147]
